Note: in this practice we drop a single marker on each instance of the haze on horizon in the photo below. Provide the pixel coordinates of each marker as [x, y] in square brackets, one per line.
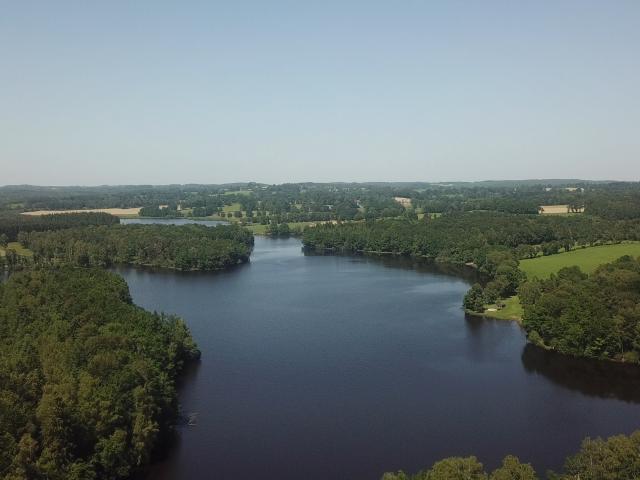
[214, 92]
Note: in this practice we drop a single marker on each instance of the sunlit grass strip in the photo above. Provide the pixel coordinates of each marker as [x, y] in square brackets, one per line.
[588, 259]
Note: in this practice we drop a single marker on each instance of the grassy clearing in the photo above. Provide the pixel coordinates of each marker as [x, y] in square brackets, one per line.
[16, 247]
[239, 192]
[588, 259]
[257, 229]
[234, 207]
[512, 310]
[301, 225]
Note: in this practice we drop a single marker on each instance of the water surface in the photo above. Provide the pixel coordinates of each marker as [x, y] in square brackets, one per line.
[322, 367]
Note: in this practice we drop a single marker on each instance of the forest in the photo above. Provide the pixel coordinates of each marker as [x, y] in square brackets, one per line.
[11, 223]
[466, 237]
[595, 315]
[184, 247]
[262, 204]
[87, 379]
[614, 458]
[30, 197]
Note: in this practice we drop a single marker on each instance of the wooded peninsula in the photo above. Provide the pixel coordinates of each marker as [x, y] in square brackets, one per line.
[87, 379]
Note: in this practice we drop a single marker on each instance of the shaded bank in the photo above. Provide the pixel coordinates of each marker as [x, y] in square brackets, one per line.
[418, 264]
[587, 376]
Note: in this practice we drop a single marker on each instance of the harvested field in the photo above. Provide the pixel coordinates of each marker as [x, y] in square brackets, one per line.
[404, 201]
[118, 212]
[555, 209]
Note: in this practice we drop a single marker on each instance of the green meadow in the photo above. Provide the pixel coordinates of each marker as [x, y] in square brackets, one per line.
[245, 193]
[588, 259]
[512, 310]
[234, 207]
[17, 248]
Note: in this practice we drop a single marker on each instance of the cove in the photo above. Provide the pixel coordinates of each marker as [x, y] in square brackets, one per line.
[321, 367]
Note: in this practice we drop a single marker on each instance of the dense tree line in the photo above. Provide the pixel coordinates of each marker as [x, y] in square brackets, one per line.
[614, 458]
[469, 237]
[169, 211]
[205, 211]
[290, 217]
[301, 202]
[595, 315]
[279, 230]
[469, 468]
[185, 247]
[28, 197]
[11, 224]
[618, 202]
[87, 379]
[463, 202]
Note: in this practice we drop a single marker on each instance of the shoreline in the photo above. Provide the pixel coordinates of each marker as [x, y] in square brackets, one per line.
[484, 315]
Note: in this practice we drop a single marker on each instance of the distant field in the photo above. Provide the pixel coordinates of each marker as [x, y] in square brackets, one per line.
[404, 201]
[257, 228]
[118, 212]
[239, 192]
[234, 207]
[16, 247]
[555, 209]
[588, 259]
[432, 215]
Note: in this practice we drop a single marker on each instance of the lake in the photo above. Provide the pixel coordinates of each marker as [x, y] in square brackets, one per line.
[321, 367]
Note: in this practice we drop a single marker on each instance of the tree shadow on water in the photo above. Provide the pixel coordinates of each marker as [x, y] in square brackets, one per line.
[170, 439]
[595, 378]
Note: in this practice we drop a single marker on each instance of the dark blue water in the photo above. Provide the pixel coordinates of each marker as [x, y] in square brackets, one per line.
[345, 367]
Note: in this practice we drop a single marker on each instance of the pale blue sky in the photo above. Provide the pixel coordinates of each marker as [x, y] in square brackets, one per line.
[274, 91]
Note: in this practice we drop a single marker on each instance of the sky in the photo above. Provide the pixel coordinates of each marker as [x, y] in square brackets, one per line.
[157, 92]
